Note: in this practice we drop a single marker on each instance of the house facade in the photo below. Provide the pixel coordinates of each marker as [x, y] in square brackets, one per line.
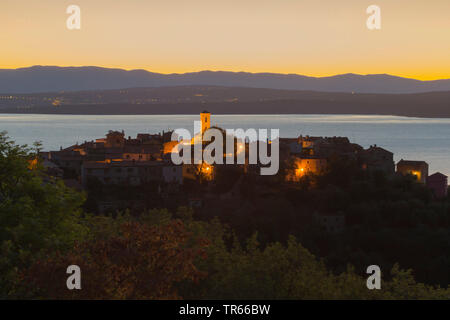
[131, 173]
[378, 159]
[419, 169]
[438, 183]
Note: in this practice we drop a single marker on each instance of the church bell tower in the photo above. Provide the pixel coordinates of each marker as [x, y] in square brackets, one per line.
[205, 121]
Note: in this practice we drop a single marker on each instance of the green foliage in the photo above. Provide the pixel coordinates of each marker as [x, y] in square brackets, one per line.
[36, 213]
[277, 271]
[43, 230]
[140, 261]
[388, 220]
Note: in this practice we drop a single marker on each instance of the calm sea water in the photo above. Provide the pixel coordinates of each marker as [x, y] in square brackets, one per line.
[408, 138]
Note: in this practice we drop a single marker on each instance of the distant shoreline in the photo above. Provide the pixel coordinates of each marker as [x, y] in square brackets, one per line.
[227, 100]
[418, 108]
[219, 114]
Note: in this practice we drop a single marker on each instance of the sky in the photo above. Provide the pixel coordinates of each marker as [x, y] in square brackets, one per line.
[309, 37]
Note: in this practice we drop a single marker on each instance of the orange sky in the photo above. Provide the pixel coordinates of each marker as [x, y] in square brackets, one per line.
[309, 37]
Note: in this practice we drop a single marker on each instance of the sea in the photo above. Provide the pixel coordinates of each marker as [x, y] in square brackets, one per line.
[408, 138]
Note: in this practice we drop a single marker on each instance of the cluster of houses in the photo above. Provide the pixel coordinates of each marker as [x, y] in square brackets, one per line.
[116, 159]
[311, 155]
[437, 182]
[146, 159]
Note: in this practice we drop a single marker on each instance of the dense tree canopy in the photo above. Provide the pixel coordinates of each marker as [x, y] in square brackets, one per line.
[170, 255]
[35, 215]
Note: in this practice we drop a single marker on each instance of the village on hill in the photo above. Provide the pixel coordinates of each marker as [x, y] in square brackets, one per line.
[143, 168]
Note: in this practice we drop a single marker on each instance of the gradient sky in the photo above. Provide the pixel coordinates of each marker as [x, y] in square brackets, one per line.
[310, 37]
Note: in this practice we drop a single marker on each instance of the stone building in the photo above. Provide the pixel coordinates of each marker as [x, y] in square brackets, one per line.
[305, 166]
[115, 139]
[438, 183]
[205, 119]
[419, 169]
[378, 159]
[132, 173]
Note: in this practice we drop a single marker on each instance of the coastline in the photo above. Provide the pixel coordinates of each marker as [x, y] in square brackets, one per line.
[227, 114]
[421, 109]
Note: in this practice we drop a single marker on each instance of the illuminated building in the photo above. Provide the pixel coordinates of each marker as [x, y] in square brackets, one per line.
[306, 166]
[205, 119]
[419, 169]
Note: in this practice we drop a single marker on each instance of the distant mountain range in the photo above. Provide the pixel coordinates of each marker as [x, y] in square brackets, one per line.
[53, 79]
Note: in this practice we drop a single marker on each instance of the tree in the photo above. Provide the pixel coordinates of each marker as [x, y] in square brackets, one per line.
[37, 213]
[291, 272]
[142, 261]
